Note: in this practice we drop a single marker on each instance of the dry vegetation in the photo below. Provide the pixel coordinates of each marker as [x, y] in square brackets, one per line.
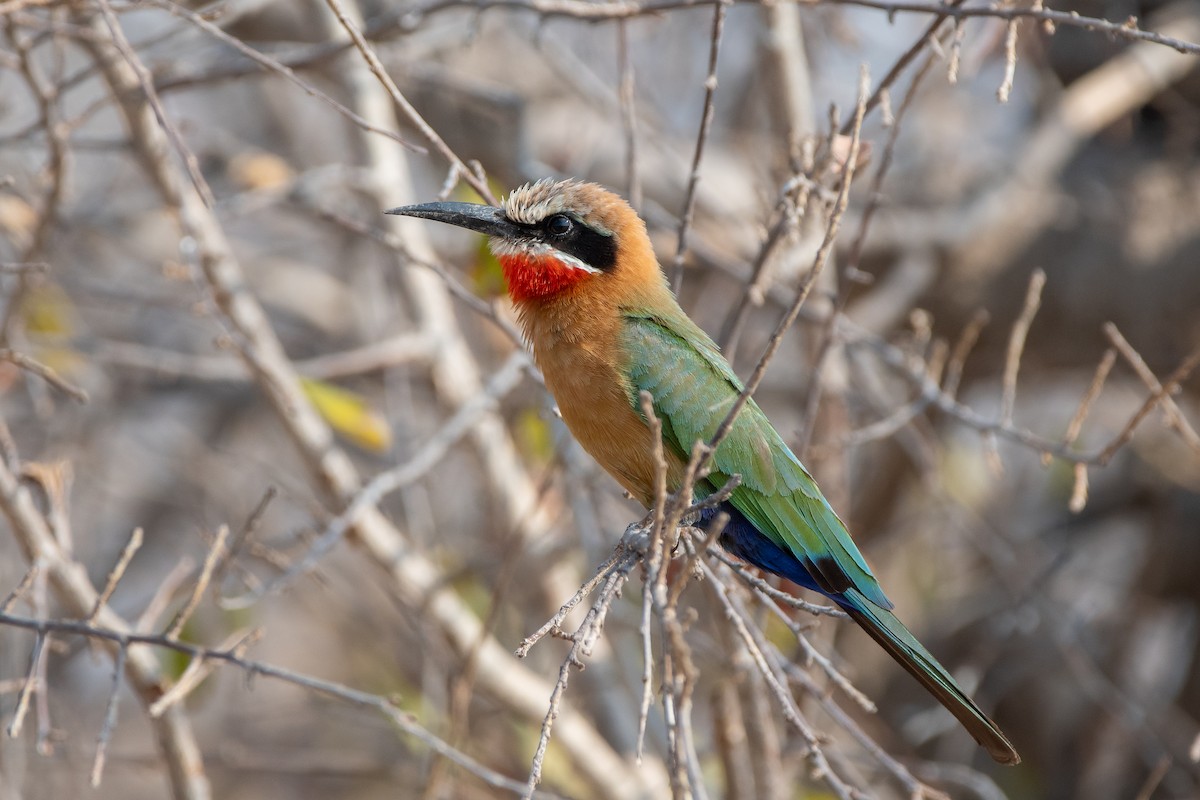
[286, 506]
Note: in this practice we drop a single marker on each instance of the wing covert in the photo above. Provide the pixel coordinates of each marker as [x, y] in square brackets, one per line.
[693, 388]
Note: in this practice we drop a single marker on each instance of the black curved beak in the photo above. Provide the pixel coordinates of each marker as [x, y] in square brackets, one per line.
[484, 219]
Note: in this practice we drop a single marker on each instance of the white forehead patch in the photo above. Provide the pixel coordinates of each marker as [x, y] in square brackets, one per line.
[534, 202]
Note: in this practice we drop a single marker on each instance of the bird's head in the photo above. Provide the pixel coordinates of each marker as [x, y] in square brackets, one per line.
[557, 237]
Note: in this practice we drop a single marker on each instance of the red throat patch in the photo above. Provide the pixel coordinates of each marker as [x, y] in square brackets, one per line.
[534, 278]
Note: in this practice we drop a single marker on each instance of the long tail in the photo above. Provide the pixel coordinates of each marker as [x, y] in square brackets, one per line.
[743, 540]
[901, 645]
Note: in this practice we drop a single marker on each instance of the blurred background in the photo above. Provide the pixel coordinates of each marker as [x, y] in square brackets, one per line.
[190, 233]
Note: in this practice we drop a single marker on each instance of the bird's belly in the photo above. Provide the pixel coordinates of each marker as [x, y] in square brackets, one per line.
[593, 402]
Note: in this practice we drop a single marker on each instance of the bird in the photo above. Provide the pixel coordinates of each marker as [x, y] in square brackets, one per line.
[604, 326]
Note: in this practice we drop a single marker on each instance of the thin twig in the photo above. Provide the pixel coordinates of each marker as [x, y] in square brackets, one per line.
[243, 535]
[810, 280]
[16, 594]
[110, 715]
[627, 93]
[706, 118]
[1171, 410]
[1154, 778]
[118, 571]
[48, 374]
[31, 682]
[122, 640]
[932, 31]
[388, 481]
[199, 668]
[627, 551]
[792, 201]
[20, 267]
[1016, 345]
[410, 17]
[787, 703]
[284, 71]
[146, 81]
[759, 585]
[215, 553]
[956, 41]
[915, 788]
[1169, 387]
[581, 646]
[377, 69]
[647, 669]
[1089, 397]
[962, 348]
[813, 656]
[1010, 62]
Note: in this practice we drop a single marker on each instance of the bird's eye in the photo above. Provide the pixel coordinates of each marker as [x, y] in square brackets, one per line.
[559, 225]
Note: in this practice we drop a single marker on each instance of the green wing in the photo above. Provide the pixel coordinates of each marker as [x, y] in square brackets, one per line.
[693, 388]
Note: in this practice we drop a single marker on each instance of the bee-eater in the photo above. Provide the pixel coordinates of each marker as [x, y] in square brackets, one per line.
[604, 326]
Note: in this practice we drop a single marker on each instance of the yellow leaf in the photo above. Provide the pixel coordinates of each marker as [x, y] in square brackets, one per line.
[779, 634]
[350, 415]
[17, 217]
[465, 194]
[534, 435]
[49, 319]
[487, 276]
[259, 170]
[46, 311]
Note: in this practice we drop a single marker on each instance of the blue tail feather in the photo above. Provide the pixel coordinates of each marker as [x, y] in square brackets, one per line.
[740, 538]
[744, 541]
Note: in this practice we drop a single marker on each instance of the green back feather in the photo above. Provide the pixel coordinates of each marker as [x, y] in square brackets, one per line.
[693, 388]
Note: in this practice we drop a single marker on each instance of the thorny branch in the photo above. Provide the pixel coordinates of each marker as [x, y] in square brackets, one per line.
[233, 654]
[45, 553]
[388, 481]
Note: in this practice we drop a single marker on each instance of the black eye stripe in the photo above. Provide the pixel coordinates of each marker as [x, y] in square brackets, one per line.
[593, 248]
[596, 249]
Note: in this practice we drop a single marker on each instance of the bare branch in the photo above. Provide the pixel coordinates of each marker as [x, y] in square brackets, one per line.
[706, 117]
[31, 683]
[123, 641]
[118, 571]
[215, 553]
[1016, 345]
[402, 103]
[44, 372]
[110, 716]
[1010, 62]
[284, 71]
[1171, 410]
[1168, 388]
[1093, 391]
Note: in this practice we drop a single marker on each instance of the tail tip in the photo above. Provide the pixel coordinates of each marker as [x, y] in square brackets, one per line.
[1003, 753]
